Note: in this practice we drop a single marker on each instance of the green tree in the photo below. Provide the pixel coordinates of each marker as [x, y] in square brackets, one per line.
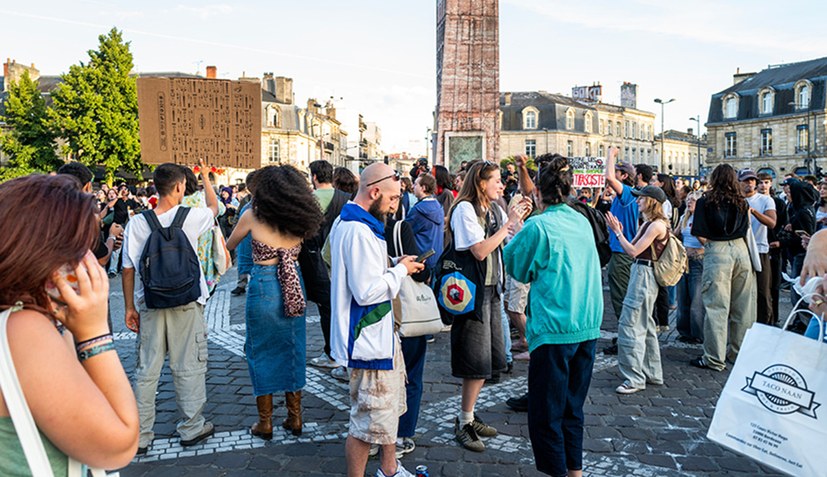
[29, 143]
[96, 108]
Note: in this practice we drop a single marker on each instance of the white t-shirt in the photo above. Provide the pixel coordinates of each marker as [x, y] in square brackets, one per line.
[466, 226]
[668, 210]
[762, 203]
[137, 231]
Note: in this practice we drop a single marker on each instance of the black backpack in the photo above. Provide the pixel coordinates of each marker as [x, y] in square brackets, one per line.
[599, 230]
[170, 271]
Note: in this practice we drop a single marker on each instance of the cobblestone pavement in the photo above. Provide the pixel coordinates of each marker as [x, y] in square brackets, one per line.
[658, 432]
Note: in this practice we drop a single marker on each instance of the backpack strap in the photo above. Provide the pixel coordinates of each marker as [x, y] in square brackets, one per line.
[180, 217]
[152, 219]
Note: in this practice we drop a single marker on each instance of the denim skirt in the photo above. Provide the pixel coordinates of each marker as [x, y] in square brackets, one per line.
[275, 344]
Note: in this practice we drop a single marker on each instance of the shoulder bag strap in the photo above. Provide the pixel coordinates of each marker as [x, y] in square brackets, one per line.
[152, 219]
[24, 425]
[180, 217]
[397, 238]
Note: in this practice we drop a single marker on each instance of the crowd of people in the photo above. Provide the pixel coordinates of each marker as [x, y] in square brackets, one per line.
[347, 243]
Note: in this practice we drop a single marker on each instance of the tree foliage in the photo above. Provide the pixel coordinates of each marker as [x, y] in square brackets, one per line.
[96, 108]
[29, 143]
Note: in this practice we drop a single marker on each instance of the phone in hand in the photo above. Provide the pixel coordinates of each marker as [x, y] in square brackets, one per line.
[425, 256]
[802, 233]
[68, 273]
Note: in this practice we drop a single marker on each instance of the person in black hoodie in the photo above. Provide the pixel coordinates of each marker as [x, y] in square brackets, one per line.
[728, 284]
[801, 220]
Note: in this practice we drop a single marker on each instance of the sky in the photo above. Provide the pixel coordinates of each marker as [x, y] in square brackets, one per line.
[378, 57]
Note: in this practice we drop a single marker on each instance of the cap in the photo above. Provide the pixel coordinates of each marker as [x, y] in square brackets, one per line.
[654, 192]
[746, 174]
[788, 181]
[625, 167]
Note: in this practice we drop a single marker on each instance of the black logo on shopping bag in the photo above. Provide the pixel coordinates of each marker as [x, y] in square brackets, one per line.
[782, 390]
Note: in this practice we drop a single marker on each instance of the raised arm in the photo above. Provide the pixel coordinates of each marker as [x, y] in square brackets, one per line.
[526, 184]
[209, 192]
[639, 243]
[611, 179]
[242, 228]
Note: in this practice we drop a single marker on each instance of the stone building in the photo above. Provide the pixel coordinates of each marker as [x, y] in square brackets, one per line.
[771, 121]
[537, 122]
[468, 73]
[683, 150]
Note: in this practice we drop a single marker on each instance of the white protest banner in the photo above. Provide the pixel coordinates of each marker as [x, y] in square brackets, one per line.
[588, 171]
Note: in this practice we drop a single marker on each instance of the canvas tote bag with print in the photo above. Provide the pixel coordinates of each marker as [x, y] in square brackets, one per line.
[415, 309]
[771, 408]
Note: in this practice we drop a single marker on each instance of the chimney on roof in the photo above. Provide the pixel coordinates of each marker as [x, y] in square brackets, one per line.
[690, 131]
[269, 83]
[212, 72]
[284, 90]
[507, 99]
[738, 76]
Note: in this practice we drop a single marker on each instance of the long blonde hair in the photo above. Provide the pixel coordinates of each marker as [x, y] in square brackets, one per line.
[652, 210]
[695, 195]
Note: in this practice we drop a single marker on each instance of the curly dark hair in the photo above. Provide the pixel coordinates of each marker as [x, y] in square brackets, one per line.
[725, 188]
[283, 200]
[555, 178]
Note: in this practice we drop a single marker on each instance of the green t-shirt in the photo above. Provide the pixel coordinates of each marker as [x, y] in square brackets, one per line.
[324, 196]
[14, 460]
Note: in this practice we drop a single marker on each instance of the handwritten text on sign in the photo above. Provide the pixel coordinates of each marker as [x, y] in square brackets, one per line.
[588, 171]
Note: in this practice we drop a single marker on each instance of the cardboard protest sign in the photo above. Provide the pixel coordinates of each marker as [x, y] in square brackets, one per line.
[184, 119]
[588, 171]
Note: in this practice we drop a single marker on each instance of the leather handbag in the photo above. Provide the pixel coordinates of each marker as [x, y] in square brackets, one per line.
[21, 416]
[220, 255]
[415, 310]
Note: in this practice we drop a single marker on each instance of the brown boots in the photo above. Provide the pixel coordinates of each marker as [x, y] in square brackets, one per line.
[294, 413]
[264, 427]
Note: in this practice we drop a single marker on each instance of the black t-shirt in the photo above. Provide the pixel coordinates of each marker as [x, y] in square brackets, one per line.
[720, 222]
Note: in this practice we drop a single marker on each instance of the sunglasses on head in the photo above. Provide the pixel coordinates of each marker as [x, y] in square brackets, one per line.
[395, 177]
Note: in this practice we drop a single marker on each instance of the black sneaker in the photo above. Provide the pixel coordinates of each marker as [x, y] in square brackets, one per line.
[467, 437]
[701, 363]
[142, 451]
[495, 379]
[612, 350]
[519, 404]
[238, 291]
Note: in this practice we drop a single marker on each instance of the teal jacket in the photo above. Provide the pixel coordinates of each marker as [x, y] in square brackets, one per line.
[555, 253]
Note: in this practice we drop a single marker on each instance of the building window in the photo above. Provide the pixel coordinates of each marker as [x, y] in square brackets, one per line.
[530, 147]
[588, 152]
[530, 120]
[731, 107]
[570, 119]
[275, 150]
[570, 149]
[601, 151]
[766, 142]
[626, 154]
[626, 129]
[766, 102]
[730, 145]
[609, 128]
[802, 96]
[617, 128]
[802, 138]
[587, 123]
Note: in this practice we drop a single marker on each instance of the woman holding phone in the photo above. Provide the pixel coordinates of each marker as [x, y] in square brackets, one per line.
[59, 339]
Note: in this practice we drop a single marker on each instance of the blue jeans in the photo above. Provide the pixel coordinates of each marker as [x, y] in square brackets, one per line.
[413, 349]
[558, 381]
[691, 311]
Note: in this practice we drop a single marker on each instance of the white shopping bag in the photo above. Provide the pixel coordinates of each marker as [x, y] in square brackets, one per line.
[771, 406]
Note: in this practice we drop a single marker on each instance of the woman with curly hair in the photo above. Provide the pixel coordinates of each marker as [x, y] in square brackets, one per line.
[284, 213]
[728, 286]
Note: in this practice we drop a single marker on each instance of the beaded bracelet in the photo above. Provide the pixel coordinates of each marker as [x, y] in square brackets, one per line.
[97, 339]
[96, 350]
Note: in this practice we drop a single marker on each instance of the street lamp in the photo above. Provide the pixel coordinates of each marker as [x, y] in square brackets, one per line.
[662, 131]
[698, 120]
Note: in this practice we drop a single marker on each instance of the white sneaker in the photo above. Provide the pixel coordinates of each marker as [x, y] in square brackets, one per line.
[341, 374]
[401, 471]
[404, 445]
[322, 361]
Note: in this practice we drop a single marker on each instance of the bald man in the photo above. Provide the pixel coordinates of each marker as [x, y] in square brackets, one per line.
[363, 283]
